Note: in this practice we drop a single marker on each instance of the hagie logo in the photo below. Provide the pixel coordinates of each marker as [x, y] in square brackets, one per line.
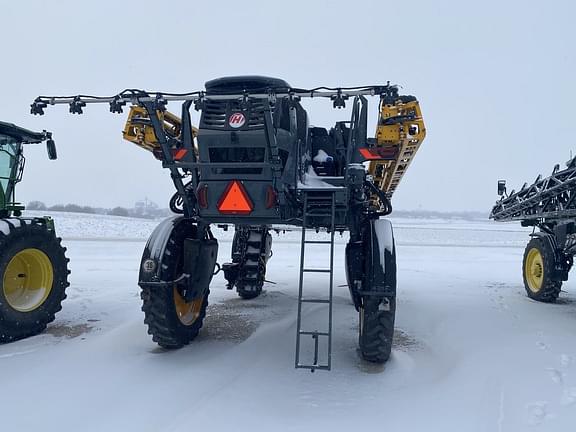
[237, 120]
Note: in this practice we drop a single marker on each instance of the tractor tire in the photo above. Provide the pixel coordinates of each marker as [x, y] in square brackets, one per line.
[376, 329]
[34, 277]
[171, 321]
[537, 270]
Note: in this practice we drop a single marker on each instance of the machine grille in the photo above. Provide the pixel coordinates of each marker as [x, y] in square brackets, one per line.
[216, 113]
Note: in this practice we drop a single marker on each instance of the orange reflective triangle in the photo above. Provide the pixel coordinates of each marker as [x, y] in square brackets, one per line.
[235, 200]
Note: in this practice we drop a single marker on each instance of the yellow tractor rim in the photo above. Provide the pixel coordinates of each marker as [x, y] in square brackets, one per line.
[187, 313]
[28, 280]
[534, 270]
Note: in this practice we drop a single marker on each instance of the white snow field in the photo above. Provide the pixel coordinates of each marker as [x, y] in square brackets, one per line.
[472, 352]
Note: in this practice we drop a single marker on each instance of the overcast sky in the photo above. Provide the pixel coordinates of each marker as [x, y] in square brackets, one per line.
[496, 81]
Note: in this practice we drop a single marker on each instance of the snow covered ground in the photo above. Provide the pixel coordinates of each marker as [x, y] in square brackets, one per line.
[472, 352]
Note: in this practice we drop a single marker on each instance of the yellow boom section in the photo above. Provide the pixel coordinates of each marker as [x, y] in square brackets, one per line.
[139, 130]
[400, 130]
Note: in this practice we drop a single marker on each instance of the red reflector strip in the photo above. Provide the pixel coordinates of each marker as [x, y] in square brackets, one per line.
[202, 196]
[367, 154]
[379, 153]
[271, 197]
[235, 200]
[179, 154]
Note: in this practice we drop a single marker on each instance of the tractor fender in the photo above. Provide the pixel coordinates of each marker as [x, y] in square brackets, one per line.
[551, 240]
[543, 235]
[178, 235]
[381, 264]
[371, 262]
[563, 262]
[151, 263]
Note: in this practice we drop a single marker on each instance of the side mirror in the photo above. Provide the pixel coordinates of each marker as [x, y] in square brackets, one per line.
[501, 187]
[51, 147]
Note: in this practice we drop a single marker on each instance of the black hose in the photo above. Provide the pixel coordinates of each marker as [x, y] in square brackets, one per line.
[177, 204]
[383, 199]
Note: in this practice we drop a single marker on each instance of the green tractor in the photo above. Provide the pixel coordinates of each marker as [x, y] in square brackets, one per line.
[33, 265]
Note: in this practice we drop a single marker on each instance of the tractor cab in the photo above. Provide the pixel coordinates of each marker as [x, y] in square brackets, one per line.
[12, 162]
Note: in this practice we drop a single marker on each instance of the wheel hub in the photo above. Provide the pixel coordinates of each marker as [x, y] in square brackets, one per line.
[28, 280]
[534, 270]
[187, 313]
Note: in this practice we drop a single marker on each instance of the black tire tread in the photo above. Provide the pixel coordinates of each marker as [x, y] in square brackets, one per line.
[377, 333]
[33, 322]
[248, 294]
[551, 288]
[158, 305]
[248, 289]
[162, 322]
[377, 324]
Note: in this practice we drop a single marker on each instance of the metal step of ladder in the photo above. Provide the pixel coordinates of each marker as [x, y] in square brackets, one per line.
[311, 209]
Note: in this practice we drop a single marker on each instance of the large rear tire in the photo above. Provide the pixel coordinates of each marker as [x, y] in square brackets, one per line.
[538, 268]
[171, 320]
[34, 277]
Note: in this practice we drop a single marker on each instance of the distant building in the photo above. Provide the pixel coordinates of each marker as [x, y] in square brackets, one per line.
[146, 209]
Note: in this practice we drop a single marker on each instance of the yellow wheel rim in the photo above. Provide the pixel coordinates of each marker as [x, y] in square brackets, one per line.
[534, 270]
[28, 280]
[187, 313]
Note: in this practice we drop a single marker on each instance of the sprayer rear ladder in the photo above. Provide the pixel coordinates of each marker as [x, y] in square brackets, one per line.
[321, 204]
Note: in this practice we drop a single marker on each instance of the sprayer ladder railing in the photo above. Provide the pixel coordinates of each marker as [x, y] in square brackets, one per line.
[321, 204]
